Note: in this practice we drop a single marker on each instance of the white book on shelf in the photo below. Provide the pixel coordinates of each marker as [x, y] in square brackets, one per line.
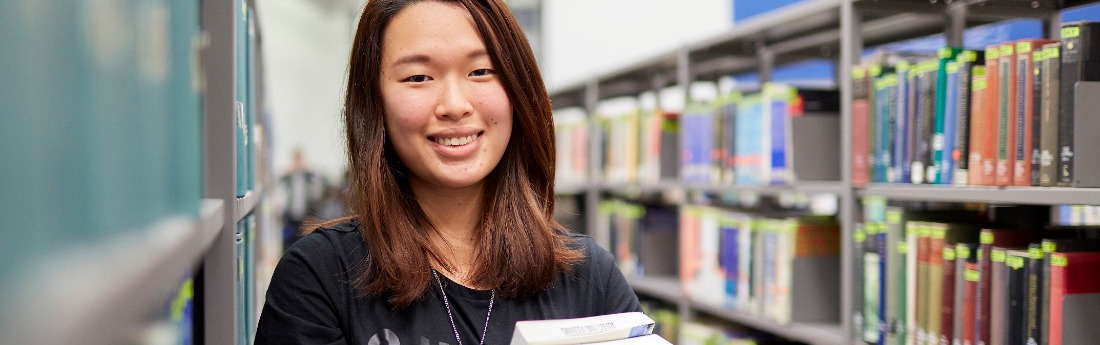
[586, 330]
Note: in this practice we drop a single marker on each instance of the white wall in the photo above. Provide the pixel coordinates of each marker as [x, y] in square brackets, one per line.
[586, 37]
[305, 49]
[306, 44]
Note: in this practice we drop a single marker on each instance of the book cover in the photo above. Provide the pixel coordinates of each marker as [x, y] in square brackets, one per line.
[979, 128]
[1006, 115]
[582, 330]
[1074, 297]
[1080, 62]
[1049, 72]
[899, 172]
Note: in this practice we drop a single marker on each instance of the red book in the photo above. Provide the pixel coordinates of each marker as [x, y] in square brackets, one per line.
[1074, 297]
[947, 305]
[979, 127]
[861, 127]
[970, 300]
[1025, 109]
[988, 167]
[990, 238]
[1006, 115]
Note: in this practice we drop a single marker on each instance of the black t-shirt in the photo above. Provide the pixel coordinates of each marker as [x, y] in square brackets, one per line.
[311, 299]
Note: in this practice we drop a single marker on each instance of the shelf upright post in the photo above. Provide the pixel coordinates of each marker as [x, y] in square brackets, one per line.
[683, 72]
[851, 44]
[1052, 25]
[595, 173]
[683, 78]
[766, 58]
[219, 300]
[956, 23]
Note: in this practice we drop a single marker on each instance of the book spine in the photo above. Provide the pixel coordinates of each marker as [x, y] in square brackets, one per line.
[925, 122]
[992, 110]
[1022, 107]
[970, 299]
[1080, 62]
[881, 162]
[1006, 116]
[947, 309]
[901, 125]
[1017, 288]
[961, 153]
[861, 127]
[859, 237]
[947, 56]
[1048, 147]
[936, 292]
[1036, 115]
[998, 298]
[978, 127]
[944, 147]
[982, 305]
[1057, 294]
[1034, 289]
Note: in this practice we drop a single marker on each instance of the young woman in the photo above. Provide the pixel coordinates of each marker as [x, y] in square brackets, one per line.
[451, 147]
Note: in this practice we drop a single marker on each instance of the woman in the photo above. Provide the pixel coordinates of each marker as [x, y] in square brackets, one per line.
[451, 148]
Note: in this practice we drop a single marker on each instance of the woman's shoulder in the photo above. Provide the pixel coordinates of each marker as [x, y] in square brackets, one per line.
[334, 241]
[597, 260]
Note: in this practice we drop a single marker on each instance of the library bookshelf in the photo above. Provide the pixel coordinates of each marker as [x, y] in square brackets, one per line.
[836, 30]
[154, 229]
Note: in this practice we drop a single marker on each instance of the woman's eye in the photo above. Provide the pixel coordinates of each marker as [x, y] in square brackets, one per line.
[482, 72]
[418, 78]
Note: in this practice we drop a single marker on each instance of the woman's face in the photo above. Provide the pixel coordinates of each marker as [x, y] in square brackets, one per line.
[447, 114]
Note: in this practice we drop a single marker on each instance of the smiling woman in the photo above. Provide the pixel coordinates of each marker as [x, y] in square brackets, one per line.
[451, 148]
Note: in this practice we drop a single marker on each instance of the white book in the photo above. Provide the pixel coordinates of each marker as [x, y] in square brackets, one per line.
[651, 339]
[583, 330]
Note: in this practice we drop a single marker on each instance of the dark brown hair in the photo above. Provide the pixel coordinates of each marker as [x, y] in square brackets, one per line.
[522, 247]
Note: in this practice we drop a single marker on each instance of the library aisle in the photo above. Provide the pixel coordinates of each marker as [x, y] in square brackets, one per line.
[822, 172]
[937, 187]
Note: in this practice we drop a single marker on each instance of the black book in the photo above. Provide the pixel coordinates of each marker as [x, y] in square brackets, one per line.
[1017, 262]
[966, 62]
[1036, 113]
[1049, 71]
[925, 119]
[1080, 62]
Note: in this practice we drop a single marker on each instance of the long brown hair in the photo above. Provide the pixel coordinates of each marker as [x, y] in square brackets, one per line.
[521, 246]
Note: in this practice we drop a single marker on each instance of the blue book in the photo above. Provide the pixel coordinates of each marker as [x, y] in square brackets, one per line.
[946, 144]
[899, 170]
[777, 98]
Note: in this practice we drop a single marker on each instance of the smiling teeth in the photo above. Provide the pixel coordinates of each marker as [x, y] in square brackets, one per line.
[456, 141]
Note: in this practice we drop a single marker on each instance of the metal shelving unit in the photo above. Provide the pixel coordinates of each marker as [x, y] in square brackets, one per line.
[662, 288]
[999, 195]
[831, 29]
[112, 310]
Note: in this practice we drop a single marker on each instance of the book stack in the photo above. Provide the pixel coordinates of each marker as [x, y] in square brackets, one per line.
[625, 328]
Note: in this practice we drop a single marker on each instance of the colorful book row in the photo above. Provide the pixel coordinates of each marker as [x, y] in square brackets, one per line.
[950, 277]
[1000, 117]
